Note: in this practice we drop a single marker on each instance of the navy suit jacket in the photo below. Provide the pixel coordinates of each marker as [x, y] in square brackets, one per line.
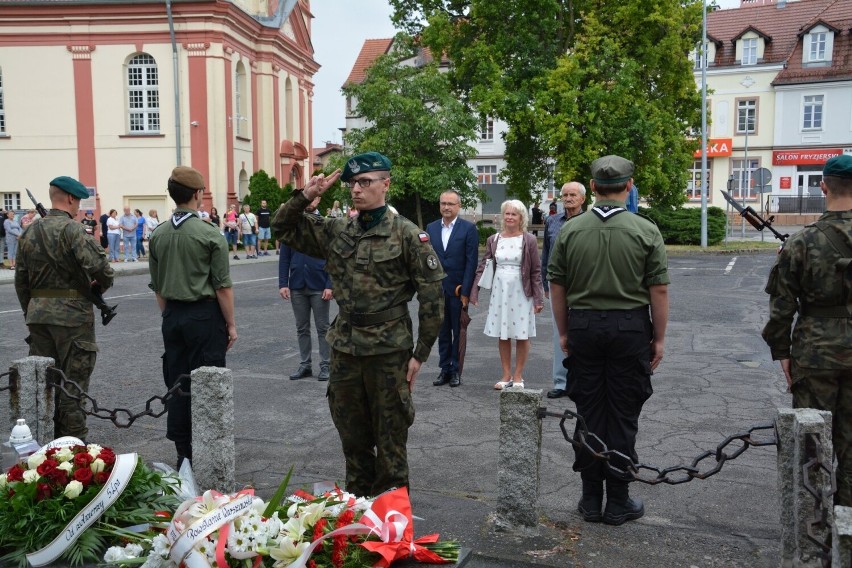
[460, 258]
[298, 271]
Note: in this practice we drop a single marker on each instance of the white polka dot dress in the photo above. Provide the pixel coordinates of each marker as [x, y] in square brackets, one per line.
[510, 312]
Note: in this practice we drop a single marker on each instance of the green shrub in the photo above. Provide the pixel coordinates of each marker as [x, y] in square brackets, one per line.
[682, 226]
[485, 231]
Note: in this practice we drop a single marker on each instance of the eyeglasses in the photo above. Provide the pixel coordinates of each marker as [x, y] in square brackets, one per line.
[448, 204]
[363, 182]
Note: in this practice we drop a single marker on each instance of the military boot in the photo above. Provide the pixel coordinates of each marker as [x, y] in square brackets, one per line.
[620, 508]
[184, 452]
[591, 502]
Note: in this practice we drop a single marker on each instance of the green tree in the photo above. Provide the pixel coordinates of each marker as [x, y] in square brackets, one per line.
[421, 125]
[511, 60]
[263, 186]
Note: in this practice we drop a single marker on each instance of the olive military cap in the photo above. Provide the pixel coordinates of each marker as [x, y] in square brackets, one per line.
[612, 169]
[367, 162]
[839, 166]
[72, 186]
[188, 177]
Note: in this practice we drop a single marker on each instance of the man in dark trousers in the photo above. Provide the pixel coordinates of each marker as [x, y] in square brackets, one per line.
[609, 267]
[456, 242]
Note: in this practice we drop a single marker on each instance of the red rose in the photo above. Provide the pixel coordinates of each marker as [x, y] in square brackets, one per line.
[15, 473]
[83, 459]
[58, 476]
[46, 467]
[101, 478]
[42, 491]
[84, 476]
[107, 456]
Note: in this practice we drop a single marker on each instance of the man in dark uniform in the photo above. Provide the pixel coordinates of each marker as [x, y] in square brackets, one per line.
[608, 267]
[191, 278]
[377, 262]
[57, 265]
[813, 277]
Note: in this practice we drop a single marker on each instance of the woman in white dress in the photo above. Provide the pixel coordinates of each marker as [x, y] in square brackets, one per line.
[516, 292]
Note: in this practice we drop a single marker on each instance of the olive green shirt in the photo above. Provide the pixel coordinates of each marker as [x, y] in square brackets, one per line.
[188, 258]
[607, 259]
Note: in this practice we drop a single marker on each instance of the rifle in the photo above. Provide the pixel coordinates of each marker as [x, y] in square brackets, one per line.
[753, 218]
[91, 291]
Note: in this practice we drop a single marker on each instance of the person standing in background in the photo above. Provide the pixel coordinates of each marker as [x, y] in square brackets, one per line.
[90, 224]
[128, 225]
[264, 215]
[140, 233]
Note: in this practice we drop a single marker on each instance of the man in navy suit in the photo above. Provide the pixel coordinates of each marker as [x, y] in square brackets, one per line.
[456, 242]
[303, 280]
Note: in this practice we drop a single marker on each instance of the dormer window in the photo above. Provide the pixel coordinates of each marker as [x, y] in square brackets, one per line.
[749, 51]
[817, 45]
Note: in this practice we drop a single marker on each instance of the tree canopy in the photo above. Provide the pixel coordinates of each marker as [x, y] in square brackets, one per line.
[416, 119]
[574, 79]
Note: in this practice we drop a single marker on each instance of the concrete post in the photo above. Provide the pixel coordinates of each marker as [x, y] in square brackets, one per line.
[797, 504]
[841, 553]
[520, 458]
[34, 400]
[213, 452]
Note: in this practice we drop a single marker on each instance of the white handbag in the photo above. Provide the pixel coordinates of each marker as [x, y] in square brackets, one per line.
[487, 277]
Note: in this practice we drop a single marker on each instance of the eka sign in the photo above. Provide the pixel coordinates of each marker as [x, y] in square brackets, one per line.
[717, 148]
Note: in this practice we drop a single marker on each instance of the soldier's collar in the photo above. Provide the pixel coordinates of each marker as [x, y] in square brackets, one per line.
[59, 212]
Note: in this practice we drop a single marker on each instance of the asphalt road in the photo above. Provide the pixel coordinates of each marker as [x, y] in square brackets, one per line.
[715, 380]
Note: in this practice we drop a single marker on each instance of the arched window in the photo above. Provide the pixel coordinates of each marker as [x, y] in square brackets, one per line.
[2, 107]
[241, 96]
[244, 186]
[143, 95]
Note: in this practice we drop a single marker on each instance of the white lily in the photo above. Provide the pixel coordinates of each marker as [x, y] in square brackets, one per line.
[287, 552]
[209, 503]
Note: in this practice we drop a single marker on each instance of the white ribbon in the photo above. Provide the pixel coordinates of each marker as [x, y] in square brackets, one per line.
[183, 543]
[63, 442]
[122, 470]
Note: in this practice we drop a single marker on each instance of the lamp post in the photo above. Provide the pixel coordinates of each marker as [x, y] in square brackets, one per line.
[747, 82]
[704, 176]
[728, 209]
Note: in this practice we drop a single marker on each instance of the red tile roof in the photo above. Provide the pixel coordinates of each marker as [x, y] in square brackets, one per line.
[370, 51]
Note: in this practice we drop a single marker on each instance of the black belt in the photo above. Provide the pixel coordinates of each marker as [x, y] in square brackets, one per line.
[190, 302]
[365, 320]
[46, 293]
[642, 310]
[839, 312]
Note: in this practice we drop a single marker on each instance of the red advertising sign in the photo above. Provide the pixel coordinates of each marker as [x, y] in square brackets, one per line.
[804, 157]
[785, 182]
[717, 148]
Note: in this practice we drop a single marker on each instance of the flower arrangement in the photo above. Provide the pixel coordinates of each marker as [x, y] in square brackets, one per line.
[62, 503]
[335, 530]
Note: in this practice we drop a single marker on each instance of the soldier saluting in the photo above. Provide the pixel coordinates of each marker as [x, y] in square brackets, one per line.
[57, 262]
[377, 262]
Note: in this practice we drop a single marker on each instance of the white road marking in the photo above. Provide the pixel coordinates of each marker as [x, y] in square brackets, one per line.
[730, 265]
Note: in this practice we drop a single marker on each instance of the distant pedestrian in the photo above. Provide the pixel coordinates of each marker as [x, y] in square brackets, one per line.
[13, 232]
[264, 216]
[248, 228]
[303, 281]
[128, 225]
[104, 231]
[812, 279]
[537, 216]
[232, 229]
[90, 224]
[28, 218]
[114, 235]
[140, 233]
[151, 222]
[214, 217]
[336, 212]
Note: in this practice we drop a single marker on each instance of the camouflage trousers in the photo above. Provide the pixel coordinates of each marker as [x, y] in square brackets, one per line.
[830, 389]
[74, 350]
[372, 410]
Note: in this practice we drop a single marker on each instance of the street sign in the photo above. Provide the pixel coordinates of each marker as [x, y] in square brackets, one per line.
[761, 176]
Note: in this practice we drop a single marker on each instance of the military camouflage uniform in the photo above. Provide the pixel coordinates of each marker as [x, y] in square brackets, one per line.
[374, 274]
[809, 278]
[56, 262]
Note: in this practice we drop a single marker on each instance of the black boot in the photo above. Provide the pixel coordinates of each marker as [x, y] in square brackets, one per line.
[592, 500]
[184, 452]
[620, 508]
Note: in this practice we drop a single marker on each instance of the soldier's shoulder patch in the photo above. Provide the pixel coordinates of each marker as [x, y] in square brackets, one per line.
[432, 262]
[424, 237]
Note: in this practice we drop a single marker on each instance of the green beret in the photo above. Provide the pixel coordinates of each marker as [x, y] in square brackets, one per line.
[188, 177]
[368, 162]
[612, 170]
[72, 186]
[839, 166]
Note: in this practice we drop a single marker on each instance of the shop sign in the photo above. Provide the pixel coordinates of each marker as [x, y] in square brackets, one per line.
[804, 157]
[785, 182]
[717, 148]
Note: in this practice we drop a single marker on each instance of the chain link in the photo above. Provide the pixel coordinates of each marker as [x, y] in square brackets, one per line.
[13, 384]
[120, 417]
[811, 469]
[625, 466]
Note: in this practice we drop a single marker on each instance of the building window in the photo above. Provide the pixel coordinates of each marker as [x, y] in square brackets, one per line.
[743, 186]
[812, 112]
[693, 186]
[143, 95]
[817, 51]
[747, 116]
[11, 201]
[486, 175]
[699, 59]
[2, 107]
[486, 130]
[241, 96]
[749, 51]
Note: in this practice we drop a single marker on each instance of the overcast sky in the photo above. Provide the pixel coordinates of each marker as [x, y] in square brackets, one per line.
[338, 32]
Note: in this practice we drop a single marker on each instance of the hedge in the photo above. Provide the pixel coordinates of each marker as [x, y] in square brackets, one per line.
[682, 226]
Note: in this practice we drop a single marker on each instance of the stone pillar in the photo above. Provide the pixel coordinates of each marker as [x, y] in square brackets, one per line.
[520, 458]
[213, 452]
[34, 400]
[841, 553]
[797, 504]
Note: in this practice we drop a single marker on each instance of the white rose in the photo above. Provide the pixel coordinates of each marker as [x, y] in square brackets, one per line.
[114, 554]
[66, 466]
[97, 466]
[3, 482]
[31, 476]
[36, 460]
[73, 489]
[63, 455]
[94, 450]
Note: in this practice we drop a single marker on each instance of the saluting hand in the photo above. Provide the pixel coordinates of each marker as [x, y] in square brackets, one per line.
[318, 185]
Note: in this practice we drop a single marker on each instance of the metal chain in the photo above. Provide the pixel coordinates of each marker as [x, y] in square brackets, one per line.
[13, 384]
[116, 415]
[811, 469]
[625, 466]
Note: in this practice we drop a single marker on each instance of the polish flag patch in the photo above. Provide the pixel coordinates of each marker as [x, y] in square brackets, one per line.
[424, 238]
